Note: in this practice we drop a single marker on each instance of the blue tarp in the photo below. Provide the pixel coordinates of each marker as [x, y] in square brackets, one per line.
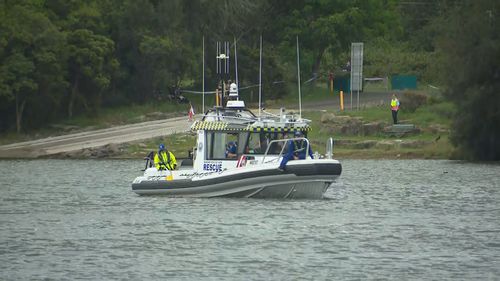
[342, 83]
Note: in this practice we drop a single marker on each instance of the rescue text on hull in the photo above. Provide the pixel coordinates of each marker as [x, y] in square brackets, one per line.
[304, 179]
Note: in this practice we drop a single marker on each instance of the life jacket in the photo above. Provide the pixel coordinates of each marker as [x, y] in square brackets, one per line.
[300, 146]
[394, 104]
[165, 164]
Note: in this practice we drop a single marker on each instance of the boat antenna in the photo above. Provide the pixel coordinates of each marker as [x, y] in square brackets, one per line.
[218, 71]
[227, 60]
[236, 66]
[222, 69]
[298, 78]
[203, 75]
[260, 76]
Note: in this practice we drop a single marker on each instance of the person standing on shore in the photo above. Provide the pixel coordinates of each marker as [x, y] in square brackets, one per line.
[395, 108]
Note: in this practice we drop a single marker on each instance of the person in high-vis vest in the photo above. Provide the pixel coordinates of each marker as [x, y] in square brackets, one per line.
[395, 108]
[164, 159]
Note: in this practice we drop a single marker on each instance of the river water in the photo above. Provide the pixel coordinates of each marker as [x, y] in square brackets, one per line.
[384, 219]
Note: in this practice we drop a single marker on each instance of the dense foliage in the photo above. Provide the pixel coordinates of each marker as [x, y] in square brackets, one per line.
[470, 46]
[62, 58]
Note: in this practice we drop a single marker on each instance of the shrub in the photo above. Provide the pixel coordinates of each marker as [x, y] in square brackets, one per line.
[411, 100]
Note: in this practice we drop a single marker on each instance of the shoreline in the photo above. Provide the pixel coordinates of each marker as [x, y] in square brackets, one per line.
[358, 135]
[121, 152]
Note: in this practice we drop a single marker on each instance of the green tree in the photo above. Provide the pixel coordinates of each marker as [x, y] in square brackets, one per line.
[17, 82]
[332, 25]
[30, 65]
[470, 47]
[385, 58]
[166, 49]
[90, 65]
[129, 21]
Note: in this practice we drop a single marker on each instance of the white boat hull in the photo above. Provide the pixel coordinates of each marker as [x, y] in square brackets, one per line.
[302, 179]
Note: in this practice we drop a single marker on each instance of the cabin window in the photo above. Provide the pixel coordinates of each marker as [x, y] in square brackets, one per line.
[258, 143]
[221, 145]
[242, 139]
[254, 144]
[275, 147]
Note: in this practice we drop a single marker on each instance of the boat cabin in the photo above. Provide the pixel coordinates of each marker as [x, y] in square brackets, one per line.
[225, 137]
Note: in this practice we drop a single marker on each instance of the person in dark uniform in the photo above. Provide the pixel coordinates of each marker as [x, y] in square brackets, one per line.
[231, 151]
[296, 150]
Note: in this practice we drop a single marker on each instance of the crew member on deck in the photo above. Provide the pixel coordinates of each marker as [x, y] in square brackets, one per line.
[296, 150]
[164, 159]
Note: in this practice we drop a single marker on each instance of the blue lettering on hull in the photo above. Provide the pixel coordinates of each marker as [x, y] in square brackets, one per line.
[214, 167]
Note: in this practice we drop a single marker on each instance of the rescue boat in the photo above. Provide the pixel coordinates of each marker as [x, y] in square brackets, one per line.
[253, 170]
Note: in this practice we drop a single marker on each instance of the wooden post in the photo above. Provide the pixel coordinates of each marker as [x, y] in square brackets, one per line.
[330, 77]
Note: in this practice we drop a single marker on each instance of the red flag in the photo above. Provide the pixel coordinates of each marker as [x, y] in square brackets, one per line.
[191, 113]
[242, 162]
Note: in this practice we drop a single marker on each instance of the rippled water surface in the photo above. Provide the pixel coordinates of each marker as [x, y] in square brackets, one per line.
[406, 219]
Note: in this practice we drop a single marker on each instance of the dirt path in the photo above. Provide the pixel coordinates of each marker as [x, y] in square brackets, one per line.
[146, 130]
[97, 138]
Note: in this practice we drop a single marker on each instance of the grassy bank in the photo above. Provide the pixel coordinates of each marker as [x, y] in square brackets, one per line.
[432, 118]
[431, 142]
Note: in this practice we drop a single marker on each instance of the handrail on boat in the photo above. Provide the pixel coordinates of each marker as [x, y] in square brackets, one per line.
[149, 160]
[329, 148]
[239, 118]
[283, 147]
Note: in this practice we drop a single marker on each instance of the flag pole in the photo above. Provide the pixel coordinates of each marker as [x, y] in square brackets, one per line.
[203, 76]
[298, 77]
[260, 77]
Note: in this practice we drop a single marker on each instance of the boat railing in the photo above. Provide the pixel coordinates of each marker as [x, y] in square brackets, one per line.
[329, 148]
[268, 117]
[284, 141]
[149, 160]
[233, 117]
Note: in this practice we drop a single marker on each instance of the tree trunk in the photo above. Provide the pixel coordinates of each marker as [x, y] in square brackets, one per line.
[72, 97]
[317, 63]
[19, 113]
[97, 106]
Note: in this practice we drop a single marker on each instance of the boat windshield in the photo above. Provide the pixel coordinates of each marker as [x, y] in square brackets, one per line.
[258, 143]
[229, 145]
